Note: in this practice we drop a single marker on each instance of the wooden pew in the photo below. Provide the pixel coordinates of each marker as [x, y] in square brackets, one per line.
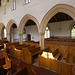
[24, 69]
[5, 65]
[16, 53]
[68, 58]
[29, 53]
[2, 61]
[31, 43]
[8, 46]
[21, 46]
[46, 50]
[8, 62]
[56, 54]
[57, 66]
[4, 71]
[19, 52]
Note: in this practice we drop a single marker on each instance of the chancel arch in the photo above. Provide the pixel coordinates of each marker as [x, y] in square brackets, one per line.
[12, 31]
[59, 8]
[27, 21]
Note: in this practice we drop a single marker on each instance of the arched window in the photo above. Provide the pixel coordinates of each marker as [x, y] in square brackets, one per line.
[5, 33]
[47, 33]
[27, 1]
[13, 3]
[73, 32]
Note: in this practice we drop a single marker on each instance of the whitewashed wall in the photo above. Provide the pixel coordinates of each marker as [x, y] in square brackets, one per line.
[14, 35]
[33, 30]
[61, 29]
[36, 8]
[54, 29]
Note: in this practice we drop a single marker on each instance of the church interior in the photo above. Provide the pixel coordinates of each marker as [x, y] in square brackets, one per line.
[37, 37]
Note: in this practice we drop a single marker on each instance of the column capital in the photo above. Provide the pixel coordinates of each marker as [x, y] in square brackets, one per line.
[20, 34]
[41, 33]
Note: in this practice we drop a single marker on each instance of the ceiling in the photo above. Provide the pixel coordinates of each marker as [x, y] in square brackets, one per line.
[60, 17]
[30, 23]
[14, 26]
[56, 18]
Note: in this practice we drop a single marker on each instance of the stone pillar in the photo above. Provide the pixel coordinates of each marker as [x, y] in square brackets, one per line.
[21, 38]
[42, 40]
[12, 39]
[8, 37]
[0, 37]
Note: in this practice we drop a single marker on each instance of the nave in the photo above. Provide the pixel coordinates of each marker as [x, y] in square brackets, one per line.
[13, 64]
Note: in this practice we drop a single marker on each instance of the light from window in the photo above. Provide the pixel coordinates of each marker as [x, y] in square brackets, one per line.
[27, 1]
[73, 32]
[14, 4]
[5, 33]
[47, 33]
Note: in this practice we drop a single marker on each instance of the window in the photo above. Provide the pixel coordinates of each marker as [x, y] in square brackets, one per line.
[27, 1]
[47, 33]
[73, 32]
[13, 4]
[5, 33]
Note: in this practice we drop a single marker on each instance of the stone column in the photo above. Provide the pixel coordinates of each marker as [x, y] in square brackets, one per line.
[12, 39]
[42, 40]
[8, 37]
[21, 38]
[0, 37]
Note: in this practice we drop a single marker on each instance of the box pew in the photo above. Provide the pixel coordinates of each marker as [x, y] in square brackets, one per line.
[18, 53]
[8, 46]
[57, 66]
[31, 43]
[2, 61]
[29, 53]
[68, 58]
[2, 42]
[24, 69]
[56, 54]
[21, 46]
[5, 64]
[8, 62]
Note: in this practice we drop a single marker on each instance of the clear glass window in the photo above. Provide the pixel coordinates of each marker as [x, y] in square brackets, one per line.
[27, 1]
[5, 33]
[47, 33]
[73, 32]
[14, 4]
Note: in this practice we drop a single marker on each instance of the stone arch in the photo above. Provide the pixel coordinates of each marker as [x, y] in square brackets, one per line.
[1, 27]
[24, 21]
[9, 25]
[64, 8]
[72, 25]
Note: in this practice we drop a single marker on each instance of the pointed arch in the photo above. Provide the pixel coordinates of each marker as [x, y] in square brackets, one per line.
[9, 25]
[1, 27]
[24, 21]
[64, 8]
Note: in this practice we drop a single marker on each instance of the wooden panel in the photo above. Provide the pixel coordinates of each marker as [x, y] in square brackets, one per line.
[56, 66]
[66, 69]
